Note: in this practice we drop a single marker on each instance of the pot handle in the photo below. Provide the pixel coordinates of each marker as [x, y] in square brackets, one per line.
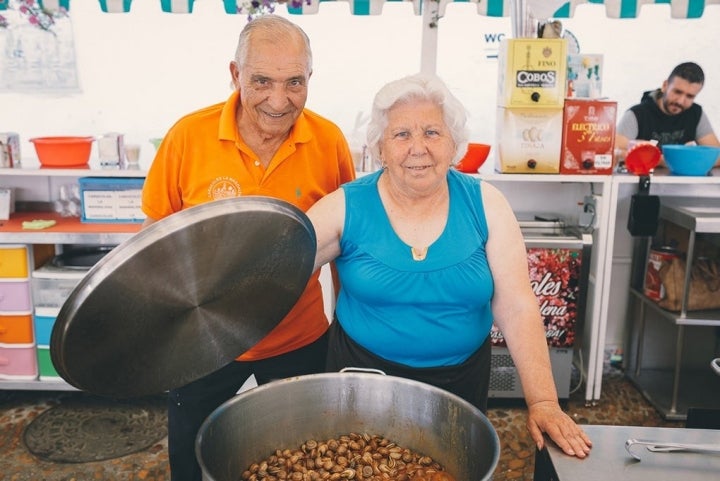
[715, 363]
[363, 369]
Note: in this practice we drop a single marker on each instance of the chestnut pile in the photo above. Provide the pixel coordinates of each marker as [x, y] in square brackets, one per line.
[358, 457]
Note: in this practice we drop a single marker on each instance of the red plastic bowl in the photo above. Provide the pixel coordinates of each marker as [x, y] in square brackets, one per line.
[474, 158]
[63, 151]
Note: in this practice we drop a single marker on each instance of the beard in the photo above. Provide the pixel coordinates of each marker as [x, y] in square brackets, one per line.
[671, 108]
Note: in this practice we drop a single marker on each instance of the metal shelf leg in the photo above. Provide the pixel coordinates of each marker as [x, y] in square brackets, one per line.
[678, 361]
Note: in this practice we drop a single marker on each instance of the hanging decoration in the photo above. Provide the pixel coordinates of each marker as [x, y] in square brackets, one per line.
[115, 6]
[37, 52]
[177, 6]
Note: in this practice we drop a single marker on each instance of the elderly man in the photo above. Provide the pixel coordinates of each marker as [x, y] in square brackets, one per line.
[261, 141]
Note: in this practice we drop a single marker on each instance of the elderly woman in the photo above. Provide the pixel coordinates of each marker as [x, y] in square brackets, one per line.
[428, 258]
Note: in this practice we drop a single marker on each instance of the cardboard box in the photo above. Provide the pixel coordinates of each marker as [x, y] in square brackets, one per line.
[588, 140]
[584, 75]
[528, 141]
[532, 72]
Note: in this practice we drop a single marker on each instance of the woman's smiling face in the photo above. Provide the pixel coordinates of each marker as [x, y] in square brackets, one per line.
[417, 147]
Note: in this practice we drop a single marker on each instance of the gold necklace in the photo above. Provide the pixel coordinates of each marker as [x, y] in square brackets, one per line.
[419, 254]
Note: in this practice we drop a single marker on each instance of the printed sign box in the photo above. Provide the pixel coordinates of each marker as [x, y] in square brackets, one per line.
[111, 199]
[588, 140]
[532, 72]
[528, 141]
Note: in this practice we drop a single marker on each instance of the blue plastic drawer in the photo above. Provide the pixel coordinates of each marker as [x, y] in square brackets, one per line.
[44, 320]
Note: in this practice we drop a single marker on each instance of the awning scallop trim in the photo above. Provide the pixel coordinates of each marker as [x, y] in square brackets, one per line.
[492, 8]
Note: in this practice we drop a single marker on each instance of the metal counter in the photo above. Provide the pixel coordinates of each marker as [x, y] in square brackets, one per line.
[608, 459]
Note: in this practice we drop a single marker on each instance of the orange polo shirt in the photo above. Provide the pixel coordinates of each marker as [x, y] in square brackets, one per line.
[203, 158]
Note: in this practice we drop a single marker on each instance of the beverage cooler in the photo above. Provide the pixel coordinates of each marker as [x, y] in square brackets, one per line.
[559, 265]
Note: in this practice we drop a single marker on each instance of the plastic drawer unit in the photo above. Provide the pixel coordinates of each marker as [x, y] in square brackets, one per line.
[18, 360]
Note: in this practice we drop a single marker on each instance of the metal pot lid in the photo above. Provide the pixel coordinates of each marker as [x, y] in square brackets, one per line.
[183, 297]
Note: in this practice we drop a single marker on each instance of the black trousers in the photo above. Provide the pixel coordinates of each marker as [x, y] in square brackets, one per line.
[190, 405]
[469, 380]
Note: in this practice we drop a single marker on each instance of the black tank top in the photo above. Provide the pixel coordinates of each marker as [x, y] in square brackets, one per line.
[654, 124]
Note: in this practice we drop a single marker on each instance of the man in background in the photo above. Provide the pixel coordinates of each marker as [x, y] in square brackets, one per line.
[669, 115]
[260, 141]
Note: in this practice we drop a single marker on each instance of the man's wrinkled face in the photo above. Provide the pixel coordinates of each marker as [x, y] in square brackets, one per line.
[273, 83]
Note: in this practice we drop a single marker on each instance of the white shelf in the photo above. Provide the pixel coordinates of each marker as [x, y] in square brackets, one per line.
[91, 171]
[37, 385]
[663, 176]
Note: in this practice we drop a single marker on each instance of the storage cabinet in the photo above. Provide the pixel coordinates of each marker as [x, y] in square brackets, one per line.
[670, 351]
[588, 200]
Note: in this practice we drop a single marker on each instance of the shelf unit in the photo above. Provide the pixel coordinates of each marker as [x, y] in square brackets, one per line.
[526, 193]
[672, 391]
[40, 183]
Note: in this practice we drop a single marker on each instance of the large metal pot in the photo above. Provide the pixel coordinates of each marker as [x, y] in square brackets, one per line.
[286, 413]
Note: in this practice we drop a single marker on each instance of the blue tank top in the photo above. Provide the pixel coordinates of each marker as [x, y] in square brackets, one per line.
[434, 312]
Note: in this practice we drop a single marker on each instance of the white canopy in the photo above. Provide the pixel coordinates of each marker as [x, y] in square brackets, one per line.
[431, 10]
[491, 8]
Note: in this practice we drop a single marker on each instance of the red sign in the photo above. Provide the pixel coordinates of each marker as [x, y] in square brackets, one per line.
[588, 140]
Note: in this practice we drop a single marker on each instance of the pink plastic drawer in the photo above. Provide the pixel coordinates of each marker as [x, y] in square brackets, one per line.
[15, 296]
[18, 362]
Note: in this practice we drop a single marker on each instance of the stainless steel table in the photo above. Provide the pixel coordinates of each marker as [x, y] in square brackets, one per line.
[609, 460]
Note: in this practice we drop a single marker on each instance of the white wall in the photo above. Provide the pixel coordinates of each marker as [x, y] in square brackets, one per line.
[141, 71]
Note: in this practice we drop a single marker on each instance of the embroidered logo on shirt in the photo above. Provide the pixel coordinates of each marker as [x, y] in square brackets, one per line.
[224, 188]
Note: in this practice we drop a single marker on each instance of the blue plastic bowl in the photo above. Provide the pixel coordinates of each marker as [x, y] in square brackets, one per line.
[690, 159]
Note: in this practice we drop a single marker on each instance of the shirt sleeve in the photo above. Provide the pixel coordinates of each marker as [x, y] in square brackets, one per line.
[704, 127]
[160, 196]
[628, 125]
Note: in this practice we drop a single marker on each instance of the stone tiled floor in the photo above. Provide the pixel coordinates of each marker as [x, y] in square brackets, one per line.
[620, 404]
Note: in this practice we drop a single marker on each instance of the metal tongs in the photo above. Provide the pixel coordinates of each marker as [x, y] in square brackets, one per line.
[663, 447]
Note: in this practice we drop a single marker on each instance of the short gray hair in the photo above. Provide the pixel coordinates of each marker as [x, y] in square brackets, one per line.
[274, 24]
[418, 87]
